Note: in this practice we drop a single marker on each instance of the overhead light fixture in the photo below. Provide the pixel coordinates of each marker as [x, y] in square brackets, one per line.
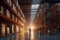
[35, 6]
[34, 10]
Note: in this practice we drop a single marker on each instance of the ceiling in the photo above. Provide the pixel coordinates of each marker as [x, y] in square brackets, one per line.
[26, 5]
[29, 9]
[28, 2]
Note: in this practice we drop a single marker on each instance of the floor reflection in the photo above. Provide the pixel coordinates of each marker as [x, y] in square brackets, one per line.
[36, 36]
[25, 35]
[32, 36]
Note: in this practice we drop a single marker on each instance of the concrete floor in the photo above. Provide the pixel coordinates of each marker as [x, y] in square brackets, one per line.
[32, 36]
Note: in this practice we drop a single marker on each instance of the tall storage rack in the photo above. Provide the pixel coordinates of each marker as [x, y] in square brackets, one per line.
[11, 17]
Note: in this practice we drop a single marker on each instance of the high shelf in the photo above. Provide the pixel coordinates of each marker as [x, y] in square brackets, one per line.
[11, 17]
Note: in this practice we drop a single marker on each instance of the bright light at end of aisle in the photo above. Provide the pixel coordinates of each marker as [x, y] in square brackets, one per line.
[31, 31]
